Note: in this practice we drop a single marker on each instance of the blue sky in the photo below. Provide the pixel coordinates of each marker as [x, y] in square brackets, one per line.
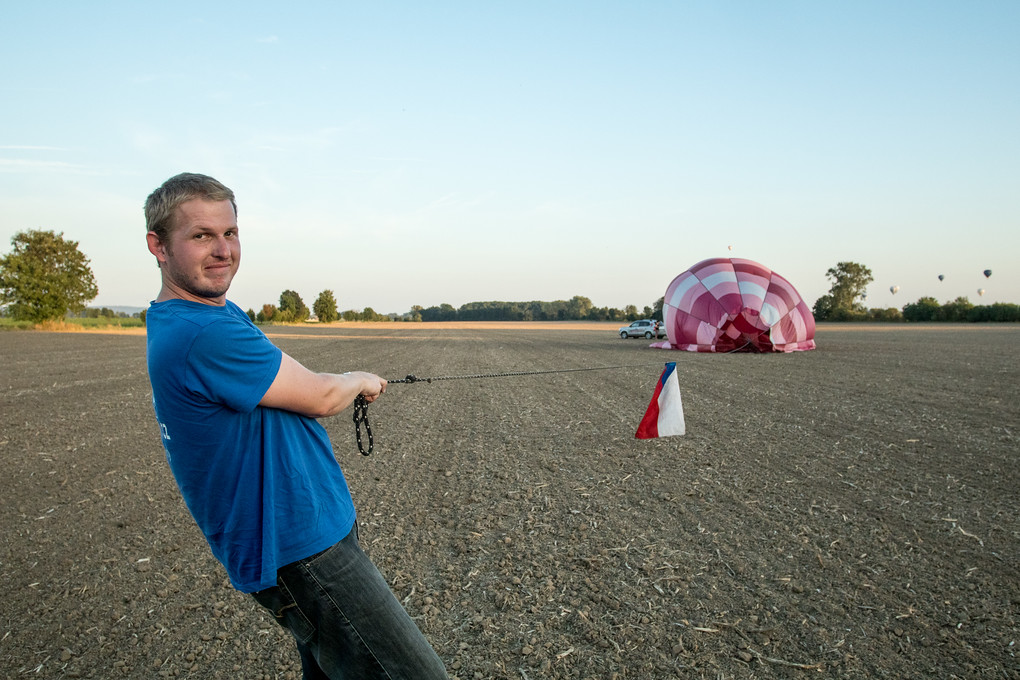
[422, 153]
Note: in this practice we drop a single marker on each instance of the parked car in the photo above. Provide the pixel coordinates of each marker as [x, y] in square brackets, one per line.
[643, 328]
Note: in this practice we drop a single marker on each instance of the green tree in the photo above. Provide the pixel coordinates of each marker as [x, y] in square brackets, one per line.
[267, 314]
[849, 282]
[251, 314]
[887, 314]
[369, 314]
[444, 312]
[44, 277]
[925, 309]
[957, 310]
[578, 307]
[291, 302]
[325, 307]
[822, 308]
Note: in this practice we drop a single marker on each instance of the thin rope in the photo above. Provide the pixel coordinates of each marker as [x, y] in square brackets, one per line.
[361, 404]
[413, 378]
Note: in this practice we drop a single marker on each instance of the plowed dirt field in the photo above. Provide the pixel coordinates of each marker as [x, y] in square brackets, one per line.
[848, 512]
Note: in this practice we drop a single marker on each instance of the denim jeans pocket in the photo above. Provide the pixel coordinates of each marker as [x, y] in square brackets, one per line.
[285, 610]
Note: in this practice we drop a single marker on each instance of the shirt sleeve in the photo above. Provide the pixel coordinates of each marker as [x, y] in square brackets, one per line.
[232, 363]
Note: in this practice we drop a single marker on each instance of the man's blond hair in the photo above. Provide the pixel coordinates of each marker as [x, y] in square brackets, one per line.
[161, 203]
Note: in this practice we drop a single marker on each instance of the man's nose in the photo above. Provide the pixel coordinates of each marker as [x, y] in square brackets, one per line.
[221, 247]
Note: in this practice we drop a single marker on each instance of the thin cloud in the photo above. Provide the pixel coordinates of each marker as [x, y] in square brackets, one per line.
[22, 165]
[269, 39]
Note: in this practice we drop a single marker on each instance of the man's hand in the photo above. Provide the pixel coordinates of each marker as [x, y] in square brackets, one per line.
[373, 384]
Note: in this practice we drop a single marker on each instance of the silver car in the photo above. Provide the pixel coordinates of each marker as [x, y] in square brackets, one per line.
[643, 328]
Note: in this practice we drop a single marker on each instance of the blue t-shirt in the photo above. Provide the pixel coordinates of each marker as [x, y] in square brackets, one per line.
[262, 483]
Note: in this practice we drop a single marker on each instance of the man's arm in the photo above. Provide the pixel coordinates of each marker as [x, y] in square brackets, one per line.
[318, 395]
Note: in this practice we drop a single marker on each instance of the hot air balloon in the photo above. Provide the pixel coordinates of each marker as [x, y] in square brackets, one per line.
[981, 291]
[987, 272]
[942, 277]
[735, 305]
[729, 247]
[894, 289]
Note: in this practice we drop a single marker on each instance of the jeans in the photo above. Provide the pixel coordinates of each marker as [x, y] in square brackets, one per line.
[346, 621]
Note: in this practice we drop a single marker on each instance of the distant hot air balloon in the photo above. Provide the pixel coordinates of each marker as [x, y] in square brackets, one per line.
[729, 247]
[941, 277]
[981, 291]
[988, 272]
[864, 296]
[894, 289]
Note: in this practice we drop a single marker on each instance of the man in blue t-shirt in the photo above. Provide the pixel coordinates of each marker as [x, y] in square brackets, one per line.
[255, 467]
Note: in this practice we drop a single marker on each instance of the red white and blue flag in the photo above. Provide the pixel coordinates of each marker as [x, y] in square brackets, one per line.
[665, 414]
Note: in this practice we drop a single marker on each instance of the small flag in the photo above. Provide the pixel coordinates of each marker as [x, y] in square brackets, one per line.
[665, 414]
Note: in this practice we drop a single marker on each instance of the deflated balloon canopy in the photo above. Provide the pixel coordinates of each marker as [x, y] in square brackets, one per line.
[988, 272]
[735, 305]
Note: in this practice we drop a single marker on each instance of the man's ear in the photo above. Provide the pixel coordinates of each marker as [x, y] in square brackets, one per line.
[156, 247]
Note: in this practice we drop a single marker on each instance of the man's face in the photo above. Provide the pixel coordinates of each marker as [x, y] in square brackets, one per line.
[202, 254]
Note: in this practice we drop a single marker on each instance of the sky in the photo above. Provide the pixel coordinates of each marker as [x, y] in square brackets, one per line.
[410, 153]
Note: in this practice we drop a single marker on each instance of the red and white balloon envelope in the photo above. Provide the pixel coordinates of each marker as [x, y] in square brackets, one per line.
[735, 305]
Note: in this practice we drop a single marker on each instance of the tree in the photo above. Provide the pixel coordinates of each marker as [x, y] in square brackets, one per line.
[267, 314]
[823, 309]
[578, 307]
[369, 314]
[925, 309]
[291, 302]
[325, 307]
[44, 277]
[849, 282]
[887, 314]
[657, 312]
[444, 312]
[957, 310]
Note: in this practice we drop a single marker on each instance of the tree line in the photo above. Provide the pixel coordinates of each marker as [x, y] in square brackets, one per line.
[577, 308]
[292, 309]
[46, 277]
[845, 302]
